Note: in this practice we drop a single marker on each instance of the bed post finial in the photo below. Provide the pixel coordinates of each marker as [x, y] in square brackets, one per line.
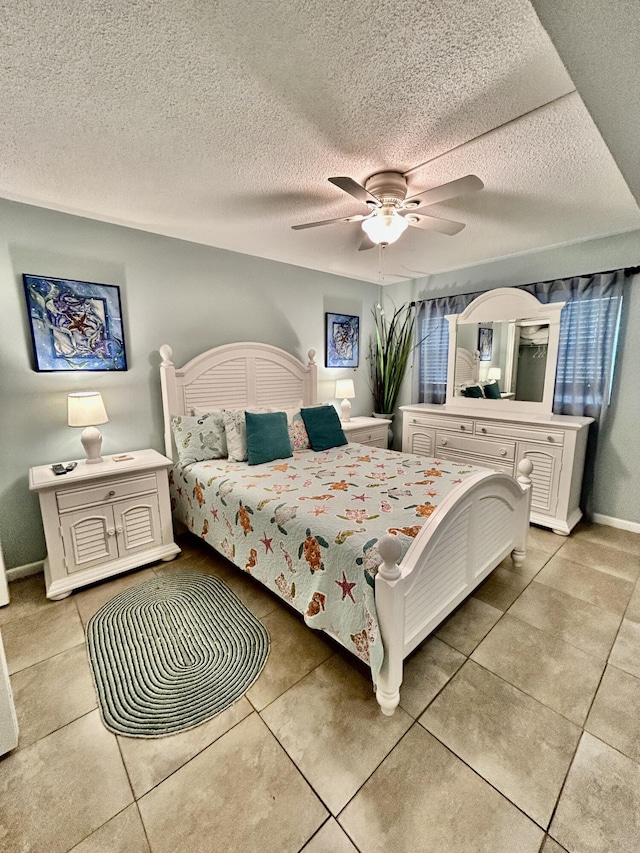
[525, 467]
[166, 352]
[390, 550]
[312, 356]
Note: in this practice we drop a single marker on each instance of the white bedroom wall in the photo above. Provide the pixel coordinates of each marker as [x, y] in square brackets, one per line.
[190, 296]
[616, 492]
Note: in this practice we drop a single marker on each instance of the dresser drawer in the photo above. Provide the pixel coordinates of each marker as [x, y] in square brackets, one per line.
[525, 433]
[111, 490]
[449, 442]
[454, 424]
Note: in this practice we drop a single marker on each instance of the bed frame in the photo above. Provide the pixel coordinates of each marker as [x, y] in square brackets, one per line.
[466, 537]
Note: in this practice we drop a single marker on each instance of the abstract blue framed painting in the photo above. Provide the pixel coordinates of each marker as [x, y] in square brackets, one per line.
[75, 325]
[342, 334]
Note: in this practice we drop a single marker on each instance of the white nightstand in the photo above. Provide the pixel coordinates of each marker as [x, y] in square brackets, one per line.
[373, 431]
[103, 519]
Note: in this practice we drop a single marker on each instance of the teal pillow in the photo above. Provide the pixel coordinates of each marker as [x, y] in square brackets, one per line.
[472, 391]
[267, 437]
[492, 391]
[323, 427]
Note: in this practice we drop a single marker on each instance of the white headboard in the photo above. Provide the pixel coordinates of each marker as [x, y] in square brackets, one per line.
[234, 376]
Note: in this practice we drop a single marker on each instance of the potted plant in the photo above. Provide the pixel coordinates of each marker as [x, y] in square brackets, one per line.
[389, 351]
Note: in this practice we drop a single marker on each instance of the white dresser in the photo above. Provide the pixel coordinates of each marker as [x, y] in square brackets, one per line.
[555, 445]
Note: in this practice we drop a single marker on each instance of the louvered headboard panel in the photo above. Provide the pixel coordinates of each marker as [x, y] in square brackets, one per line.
[234, 376]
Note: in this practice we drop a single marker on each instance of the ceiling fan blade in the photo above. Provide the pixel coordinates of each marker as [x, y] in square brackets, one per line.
[357, 217]
[434, 223]
[366, 243]
[354, 189]
[452, 189]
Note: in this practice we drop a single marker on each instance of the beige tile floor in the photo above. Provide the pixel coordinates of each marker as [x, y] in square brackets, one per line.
[518, 730]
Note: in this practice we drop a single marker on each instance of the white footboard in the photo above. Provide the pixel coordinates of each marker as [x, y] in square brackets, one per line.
[467, 536]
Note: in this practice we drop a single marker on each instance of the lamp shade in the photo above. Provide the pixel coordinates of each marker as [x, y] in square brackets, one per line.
[494, 373]
[85, 408]
[345, 389]
[384, 227]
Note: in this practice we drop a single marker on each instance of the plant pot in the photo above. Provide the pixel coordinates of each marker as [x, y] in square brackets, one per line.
[389, 418]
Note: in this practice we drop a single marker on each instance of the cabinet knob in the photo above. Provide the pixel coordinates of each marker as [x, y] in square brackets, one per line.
[111, 494]
[443, 442]
[549, 438]
[119, 528]
[462, 427]
[110, 531]
[483, 429]
[503, 452]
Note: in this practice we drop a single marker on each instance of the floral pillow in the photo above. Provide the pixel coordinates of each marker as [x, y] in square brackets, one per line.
[298, 435]
[199, 438]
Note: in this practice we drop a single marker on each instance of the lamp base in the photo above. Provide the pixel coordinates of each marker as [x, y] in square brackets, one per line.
[345, 411]
[91, 439]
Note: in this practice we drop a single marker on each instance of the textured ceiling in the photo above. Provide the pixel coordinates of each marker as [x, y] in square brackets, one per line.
[221, 122]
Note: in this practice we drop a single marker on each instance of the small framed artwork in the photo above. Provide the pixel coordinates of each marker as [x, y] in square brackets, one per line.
[342, 339]
[75, 325]
[485, 344]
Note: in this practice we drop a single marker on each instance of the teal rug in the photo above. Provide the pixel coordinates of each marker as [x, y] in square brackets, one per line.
[172, 652]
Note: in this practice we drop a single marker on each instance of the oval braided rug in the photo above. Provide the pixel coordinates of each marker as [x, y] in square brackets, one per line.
[172, 652]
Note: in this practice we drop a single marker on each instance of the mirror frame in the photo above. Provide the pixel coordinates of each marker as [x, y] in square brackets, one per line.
[501, 304]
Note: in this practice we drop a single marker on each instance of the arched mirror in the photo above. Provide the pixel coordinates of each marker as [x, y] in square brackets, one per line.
[503, 351]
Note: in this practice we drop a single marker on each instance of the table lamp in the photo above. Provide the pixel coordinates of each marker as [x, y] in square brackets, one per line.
[86, 409]
[494, 373]
[345, 389]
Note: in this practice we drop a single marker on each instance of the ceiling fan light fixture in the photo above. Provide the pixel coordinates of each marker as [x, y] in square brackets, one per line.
[384, 228]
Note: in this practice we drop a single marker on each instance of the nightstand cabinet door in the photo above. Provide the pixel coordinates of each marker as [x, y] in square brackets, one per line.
[89, 538]
[137, 523]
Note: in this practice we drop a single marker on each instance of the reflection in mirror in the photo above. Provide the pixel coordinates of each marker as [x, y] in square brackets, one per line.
[507, 359]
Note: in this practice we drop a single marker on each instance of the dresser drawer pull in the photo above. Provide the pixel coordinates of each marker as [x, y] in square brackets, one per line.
[111, 494]
[462, 427]
[444, 442]
[503, 452]
[550, 438]
[484, 430]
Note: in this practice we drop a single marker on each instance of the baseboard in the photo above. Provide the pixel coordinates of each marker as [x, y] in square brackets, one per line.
[620, 523]
[24, 571]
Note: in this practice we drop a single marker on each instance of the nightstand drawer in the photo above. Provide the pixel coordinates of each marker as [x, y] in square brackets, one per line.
[112, 490]
[368, 436]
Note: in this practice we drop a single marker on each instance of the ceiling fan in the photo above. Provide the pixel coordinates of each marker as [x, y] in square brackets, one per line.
[390, 211]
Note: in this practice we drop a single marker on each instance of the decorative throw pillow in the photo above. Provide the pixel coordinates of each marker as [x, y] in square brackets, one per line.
[297, 430]
[472, 391]
[236, 429]
[323, 427]
[199, 438]
[267, 437]
[492, 390]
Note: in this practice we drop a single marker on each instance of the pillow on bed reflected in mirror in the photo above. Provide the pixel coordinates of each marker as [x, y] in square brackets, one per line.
[199, 438]
[267, 437]
[492, 391]
[323, 427]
